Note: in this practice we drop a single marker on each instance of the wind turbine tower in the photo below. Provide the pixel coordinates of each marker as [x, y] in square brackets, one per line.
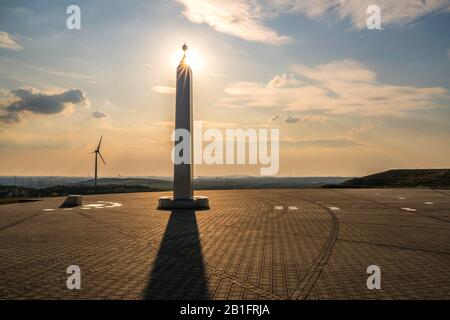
[97, 153]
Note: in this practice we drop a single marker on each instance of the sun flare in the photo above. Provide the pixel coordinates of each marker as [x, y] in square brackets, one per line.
[193, 58]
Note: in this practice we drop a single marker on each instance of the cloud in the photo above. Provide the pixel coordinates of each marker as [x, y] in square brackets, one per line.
[165, 124]
[285, 80]
[245, 18]
[11, 117]
[309, 118]
[275, 118]
[240, 18]
[23, 100]
[344, 86]
[8, 41]
[217, 124]
[292, 119]
[99, 115]
[164, 90]
[321, 143]
[219, 75]
[205, 124]
[70, 75]
[364, 127]
[35, 142]
[392, 12]
[448, 54]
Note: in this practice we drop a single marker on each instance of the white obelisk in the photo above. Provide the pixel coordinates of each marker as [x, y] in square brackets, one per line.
[182, 186]
[183, 194]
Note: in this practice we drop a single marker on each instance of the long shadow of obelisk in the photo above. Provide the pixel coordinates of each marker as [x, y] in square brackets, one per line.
[178, 271]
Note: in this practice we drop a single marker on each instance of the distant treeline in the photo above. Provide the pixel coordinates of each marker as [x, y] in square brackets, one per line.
[55, 191]
[403, 178]
[129, 185]
[264, 182]
[55, 186]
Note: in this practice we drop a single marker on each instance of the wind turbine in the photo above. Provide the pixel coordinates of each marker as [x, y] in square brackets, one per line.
[97, 153]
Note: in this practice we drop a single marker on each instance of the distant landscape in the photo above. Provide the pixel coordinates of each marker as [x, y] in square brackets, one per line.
[26, 187]
[37, 187]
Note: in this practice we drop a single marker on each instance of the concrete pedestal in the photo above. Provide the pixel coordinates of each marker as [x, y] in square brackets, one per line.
[196, 203]
[72, 201]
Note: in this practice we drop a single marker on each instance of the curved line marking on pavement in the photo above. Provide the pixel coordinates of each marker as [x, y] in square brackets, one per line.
[316, 269]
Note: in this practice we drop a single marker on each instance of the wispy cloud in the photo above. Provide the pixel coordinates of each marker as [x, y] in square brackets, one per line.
[218, 125]
[243, 19]
[292, 119]
[35, 142]
[99, 115]
[205, 124]
[320, 143]
[311, 118]
[70, 75]
[164, 89]
[8, 41]
[365, 126]
[275, 118]
[218, 75]
[308, 118]
[246, 18]
[285, 80]
[344, 86]
[165, 124]
[392, 12]
[18, 63]
[16, 102]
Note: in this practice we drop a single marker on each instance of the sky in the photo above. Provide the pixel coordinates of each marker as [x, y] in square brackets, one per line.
[348, 100]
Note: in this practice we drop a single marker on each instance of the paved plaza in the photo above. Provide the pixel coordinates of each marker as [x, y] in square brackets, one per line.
[251, 244]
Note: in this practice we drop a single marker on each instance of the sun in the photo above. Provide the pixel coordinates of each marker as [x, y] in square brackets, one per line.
[194, 59]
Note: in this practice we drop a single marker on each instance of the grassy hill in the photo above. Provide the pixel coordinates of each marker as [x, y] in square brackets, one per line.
[401, 178]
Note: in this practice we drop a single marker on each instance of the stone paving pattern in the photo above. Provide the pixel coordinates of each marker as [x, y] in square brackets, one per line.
[244, 247]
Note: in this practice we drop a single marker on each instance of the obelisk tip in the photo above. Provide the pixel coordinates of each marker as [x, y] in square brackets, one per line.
[185, 48]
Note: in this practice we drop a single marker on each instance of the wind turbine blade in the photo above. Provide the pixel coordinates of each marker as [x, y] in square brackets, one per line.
[102, 158]
[100, 143]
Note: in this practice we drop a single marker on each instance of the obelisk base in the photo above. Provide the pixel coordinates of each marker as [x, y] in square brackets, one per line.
[196, 203]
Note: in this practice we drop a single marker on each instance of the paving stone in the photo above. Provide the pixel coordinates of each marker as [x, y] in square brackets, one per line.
[245, 247]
